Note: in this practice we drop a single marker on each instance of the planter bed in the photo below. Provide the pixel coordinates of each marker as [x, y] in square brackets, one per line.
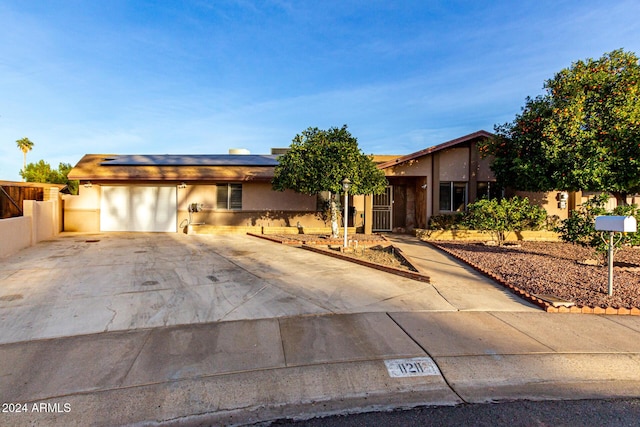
[407, 271]
[555, 269]
[322, 244]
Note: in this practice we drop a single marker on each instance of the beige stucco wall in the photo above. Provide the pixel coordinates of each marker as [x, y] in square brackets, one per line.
[418, 167]
[205, 194]
[611, 204]
[484, 170]
[87, 198]
[263, 218]
[82, 211]
[268, 217]
[261, 206]
[454, 164]
[255, 196]
[41, 221]
[44, 219]
[15, 234]
[260, 196]
[547, 200]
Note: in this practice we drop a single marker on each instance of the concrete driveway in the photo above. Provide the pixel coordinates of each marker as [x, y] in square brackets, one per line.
[105, 299]
[88, 283]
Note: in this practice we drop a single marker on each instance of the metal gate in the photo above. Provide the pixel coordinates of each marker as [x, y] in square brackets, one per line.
[383, 210]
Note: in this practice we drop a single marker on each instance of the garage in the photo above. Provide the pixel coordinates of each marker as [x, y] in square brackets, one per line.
[138, 208]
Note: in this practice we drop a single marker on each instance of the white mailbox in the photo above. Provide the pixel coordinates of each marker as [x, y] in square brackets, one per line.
[621, 224]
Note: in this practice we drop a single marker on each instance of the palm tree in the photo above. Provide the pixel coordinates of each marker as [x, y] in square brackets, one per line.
[25, 145]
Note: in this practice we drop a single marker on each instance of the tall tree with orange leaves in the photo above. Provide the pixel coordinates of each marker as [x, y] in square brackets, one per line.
[583, 133]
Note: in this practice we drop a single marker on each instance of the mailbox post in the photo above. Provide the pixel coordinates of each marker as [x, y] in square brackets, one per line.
[614, 224]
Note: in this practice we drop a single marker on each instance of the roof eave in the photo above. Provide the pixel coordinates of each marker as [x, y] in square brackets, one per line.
[435, 148]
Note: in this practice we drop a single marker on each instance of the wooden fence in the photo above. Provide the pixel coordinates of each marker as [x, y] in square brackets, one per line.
[11, 198]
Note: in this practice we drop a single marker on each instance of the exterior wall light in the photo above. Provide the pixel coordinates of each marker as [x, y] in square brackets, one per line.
[182, 186]
[88, 184]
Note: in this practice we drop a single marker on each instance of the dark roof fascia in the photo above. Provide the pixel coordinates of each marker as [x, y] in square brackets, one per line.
[436, 148]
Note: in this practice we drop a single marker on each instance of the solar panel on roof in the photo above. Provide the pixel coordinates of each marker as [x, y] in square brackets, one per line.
[191, 160]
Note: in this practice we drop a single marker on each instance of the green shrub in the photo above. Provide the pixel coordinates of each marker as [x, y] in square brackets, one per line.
[502, 217]
[580, 227]
[446, 221]
[632, 239]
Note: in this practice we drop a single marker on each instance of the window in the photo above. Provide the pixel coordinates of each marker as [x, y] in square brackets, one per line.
[453, 196]
[445, 196]
[229, 196]
[488, 190]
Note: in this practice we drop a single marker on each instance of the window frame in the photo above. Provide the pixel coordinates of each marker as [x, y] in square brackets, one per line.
[451, 186]
[231, 191]
[493, 190]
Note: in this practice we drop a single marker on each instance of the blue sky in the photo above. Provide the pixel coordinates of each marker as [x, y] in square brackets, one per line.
[192, 77]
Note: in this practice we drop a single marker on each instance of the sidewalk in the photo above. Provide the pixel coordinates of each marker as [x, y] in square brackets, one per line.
[255, 370]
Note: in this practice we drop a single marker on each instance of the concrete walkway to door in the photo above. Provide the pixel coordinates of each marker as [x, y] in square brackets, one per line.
[459, 284]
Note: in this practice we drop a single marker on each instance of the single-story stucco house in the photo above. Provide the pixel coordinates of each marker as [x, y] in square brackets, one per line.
[167, 192]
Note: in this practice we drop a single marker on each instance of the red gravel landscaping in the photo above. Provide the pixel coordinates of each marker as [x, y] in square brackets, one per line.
[552, 268]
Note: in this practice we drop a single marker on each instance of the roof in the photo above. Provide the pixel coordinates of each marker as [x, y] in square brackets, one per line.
[190, 160]
[31, 184]
[449, 144]
[219, 167]
[382, 158]
[212, 167]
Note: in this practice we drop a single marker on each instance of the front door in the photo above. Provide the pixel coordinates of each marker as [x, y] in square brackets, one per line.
[383, 210]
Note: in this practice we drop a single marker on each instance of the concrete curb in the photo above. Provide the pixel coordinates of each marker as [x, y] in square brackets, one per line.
[343, 372]
[579, 309]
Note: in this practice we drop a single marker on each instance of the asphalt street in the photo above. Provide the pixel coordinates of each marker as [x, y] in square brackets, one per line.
[585, 413]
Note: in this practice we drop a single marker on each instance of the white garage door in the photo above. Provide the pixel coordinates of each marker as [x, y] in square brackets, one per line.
[138, 208]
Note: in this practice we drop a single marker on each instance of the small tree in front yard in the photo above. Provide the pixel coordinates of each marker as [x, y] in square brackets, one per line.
[318, 160]
[580, 227]
[500, 218]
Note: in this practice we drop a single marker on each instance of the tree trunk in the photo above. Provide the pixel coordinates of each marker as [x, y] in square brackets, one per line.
[621, 197]
[334, 217]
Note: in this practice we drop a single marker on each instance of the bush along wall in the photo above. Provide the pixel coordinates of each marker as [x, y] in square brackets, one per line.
[502, 217]
[580, 227]
[496, 218]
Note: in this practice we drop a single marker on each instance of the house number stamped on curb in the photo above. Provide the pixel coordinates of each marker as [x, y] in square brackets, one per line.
[416, 367]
